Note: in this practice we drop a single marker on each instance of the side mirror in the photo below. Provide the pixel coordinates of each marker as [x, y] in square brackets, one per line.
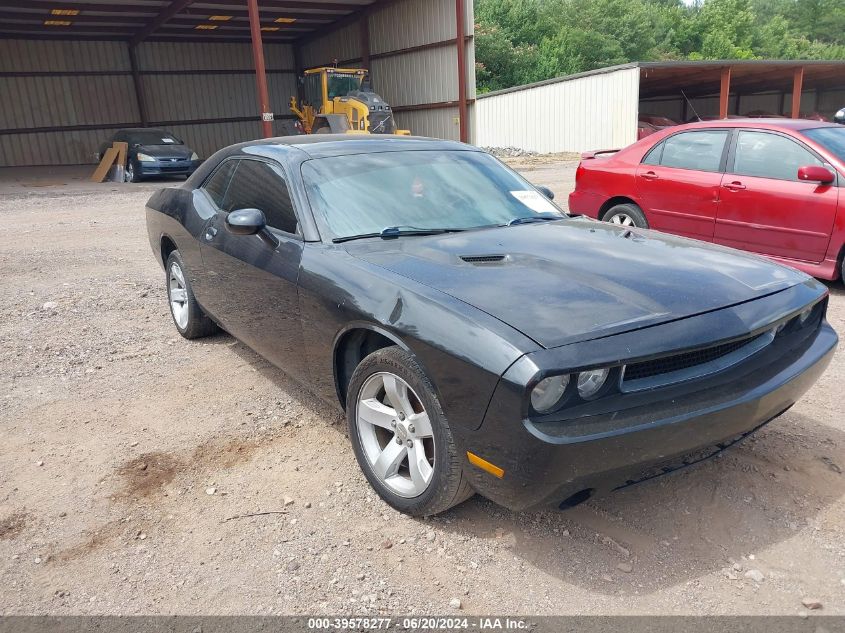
[546, 192]
[246, 222]
[815, 173]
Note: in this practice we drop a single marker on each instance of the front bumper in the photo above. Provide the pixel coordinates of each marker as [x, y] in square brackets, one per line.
[547, 463]
[167, 167]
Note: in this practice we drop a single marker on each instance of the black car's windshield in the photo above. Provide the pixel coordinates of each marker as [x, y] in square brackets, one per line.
[438, 190]
[153, 137]
[831, 138]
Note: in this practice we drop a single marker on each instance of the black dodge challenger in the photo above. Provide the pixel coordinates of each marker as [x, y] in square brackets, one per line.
[478, 338]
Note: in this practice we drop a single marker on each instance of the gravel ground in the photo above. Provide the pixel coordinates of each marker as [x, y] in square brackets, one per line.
[142, 473]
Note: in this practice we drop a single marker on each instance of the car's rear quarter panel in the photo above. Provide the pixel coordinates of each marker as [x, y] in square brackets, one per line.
[170, 214]
[602, 179]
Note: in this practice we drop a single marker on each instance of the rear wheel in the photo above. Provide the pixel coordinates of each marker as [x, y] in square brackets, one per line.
[626, 214]
[401, 437]
[187, 314]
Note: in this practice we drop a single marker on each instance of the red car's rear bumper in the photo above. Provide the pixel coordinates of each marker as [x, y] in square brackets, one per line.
[584, 203]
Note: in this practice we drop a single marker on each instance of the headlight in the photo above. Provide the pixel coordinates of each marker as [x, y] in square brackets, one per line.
[194, 156]
[145, 158]
[802, 318]
[591, 382]
[549, 393]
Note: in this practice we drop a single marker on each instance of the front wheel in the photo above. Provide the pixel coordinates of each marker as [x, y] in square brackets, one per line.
[130, 174]
[627, 214]
[401, 437]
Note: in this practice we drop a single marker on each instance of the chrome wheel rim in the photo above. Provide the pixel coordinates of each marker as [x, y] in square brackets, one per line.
[395, 434]
[623, 219]
[178, 293]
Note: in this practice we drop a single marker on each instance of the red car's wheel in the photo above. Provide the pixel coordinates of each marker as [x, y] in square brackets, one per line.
[626, 215]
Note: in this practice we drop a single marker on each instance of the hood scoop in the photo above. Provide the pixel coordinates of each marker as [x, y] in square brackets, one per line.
[483, 259]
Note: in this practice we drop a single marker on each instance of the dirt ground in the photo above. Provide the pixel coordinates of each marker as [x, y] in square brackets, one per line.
[142, 473]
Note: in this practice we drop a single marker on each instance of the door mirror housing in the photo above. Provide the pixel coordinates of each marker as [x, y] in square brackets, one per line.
[246, 222]
[546, 192]
[815, 173]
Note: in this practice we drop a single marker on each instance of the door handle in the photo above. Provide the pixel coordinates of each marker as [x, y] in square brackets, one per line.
[734, 186]
[649, 175]
[210, 232]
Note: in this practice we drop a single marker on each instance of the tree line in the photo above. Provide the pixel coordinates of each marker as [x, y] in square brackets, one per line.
[522, 41]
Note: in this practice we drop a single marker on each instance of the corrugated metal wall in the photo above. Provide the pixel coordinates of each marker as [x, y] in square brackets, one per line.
[87, 85]
[176, 90]
[578, 114]
[411, 79]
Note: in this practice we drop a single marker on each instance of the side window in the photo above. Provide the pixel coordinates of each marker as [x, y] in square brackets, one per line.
[256, 185]
[313, 90]
[653, 157]
[217, 185]
[770, 156]
[699, 150]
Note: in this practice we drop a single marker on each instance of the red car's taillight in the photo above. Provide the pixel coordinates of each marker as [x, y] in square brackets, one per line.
[578, 173]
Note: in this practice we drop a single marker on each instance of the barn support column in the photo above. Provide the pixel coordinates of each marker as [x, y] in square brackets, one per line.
[364, 33]
[797, 87]
[460, 42]
[140, 97]
[260, 70]
[724, 91]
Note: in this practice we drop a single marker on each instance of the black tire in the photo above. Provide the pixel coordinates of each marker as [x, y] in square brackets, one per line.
[448, 485]
[630, 210]
[131, 173]
[197, 323]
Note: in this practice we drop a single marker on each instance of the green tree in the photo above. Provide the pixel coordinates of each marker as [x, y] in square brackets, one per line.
[520, 41]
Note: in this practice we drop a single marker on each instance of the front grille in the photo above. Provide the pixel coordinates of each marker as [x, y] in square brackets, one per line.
[381, 123]
[669, 364]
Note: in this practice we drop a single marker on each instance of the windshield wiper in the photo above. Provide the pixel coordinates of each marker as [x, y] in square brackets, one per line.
[392, 232]
[543, 217]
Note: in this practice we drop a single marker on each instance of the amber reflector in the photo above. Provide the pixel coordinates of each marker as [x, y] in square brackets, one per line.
[483, 464]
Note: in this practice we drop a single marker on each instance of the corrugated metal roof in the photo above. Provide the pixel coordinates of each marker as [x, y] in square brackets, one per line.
[702, 77]
[173, 20]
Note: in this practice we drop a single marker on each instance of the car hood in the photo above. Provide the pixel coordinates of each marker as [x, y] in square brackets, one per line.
[573, 280]
[165, 151]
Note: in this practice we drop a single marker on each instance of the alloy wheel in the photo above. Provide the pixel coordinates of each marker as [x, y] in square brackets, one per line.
[178, 294]
[622, 219]
[396, 434]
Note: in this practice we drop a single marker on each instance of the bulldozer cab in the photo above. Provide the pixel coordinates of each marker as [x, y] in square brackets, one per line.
[323, 85]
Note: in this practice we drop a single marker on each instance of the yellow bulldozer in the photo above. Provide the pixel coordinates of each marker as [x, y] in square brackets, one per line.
[341, 101]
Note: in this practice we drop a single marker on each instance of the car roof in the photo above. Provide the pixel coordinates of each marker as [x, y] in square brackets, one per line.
[762, 123]
[326, 145]
[297, 149]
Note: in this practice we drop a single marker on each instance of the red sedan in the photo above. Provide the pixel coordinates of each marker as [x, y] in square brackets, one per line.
[770, 186]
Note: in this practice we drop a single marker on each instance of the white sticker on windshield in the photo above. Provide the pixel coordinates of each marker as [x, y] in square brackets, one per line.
[168, 140]
[535, 201]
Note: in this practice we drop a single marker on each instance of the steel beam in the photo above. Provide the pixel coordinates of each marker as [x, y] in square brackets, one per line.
[797, 88]
[140, 96]
[460, 31]
[170, 11]
[724, 91]
[260, 71]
